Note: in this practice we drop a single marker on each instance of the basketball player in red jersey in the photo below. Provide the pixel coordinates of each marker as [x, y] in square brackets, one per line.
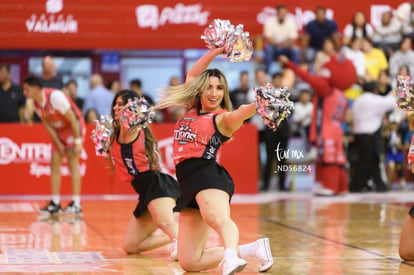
[135, 159]
[65, 125]
[206, 186]
[326, 131]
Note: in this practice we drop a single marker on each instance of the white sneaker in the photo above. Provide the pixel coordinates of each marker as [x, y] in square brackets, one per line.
[72, 208]
[312, 155]
[232, 265]
[173, 250]
[264, 255]
[319, 190]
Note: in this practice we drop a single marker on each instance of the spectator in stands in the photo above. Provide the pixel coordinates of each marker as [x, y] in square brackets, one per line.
[136, 86]
[394, 156]
[280, 35]
[239, 95]
[359, 27]
[315, 33]
[65, 125]
[91, 116]
[354, 52]
[99, 97]
[174, 81]
[384, 82]
[72, 87]
[12, 100]
[49, 74]
[324, 55]
[367, 112]
[405, 13]
[404, 56]
[114, 86]
[387, 35]
[302, 115]
[375, 60]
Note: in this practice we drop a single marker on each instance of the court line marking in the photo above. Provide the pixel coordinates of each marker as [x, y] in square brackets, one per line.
[340, 243]
[266, 197]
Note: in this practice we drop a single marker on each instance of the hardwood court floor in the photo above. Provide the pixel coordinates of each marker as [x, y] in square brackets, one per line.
[354, 234]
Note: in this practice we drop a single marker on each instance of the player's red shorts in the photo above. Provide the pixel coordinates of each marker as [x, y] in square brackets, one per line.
[66, 137]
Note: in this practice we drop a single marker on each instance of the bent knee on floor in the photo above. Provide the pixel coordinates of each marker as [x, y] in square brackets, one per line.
[406, 255]
[130, 248]
[190, 265]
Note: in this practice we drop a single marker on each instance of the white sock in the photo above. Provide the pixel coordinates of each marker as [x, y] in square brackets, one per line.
[249, 249]
[56, 199]
[230, 253]
[76, 200]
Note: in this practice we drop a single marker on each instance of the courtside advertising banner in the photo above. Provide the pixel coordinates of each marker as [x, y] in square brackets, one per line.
[25, 153]
[161, 24]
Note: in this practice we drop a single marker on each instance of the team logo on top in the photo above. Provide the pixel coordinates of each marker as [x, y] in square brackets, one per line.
[185, 134]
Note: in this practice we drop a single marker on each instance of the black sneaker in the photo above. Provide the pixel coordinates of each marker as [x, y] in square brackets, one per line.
[73, 209]
[51, 208]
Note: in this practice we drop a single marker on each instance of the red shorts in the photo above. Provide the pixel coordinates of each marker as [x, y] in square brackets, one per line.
[66, 137]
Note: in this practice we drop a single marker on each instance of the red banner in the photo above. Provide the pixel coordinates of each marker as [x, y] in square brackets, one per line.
[161, 24]
[25, 153]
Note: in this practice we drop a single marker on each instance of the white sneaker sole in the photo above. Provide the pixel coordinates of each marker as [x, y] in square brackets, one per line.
[237, 269]
[269, 264]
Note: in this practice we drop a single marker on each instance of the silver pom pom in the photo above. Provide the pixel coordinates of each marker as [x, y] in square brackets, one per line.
[404, 94]
[237, 44]
[273, 105]
[136, 113]
[101, 135]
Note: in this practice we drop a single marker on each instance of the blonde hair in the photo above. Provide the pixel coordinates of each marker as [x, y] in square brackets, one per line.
[188, 94]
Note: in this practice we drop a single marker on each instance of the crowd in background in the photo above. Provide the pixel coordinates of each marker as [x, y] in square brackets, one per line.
[379, 53]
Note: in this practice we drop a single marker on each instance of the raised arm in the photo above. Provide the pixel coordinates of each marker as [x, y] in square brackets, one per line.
[318, 83]
[230, 122]
[202, 64]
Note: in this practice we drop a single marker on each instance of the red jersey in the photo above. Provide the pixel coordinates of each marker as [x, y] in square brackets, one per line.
[130, 159]
[326, 127]
[196, 136]
[410, 157]
[55, 119]
[328, 115]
